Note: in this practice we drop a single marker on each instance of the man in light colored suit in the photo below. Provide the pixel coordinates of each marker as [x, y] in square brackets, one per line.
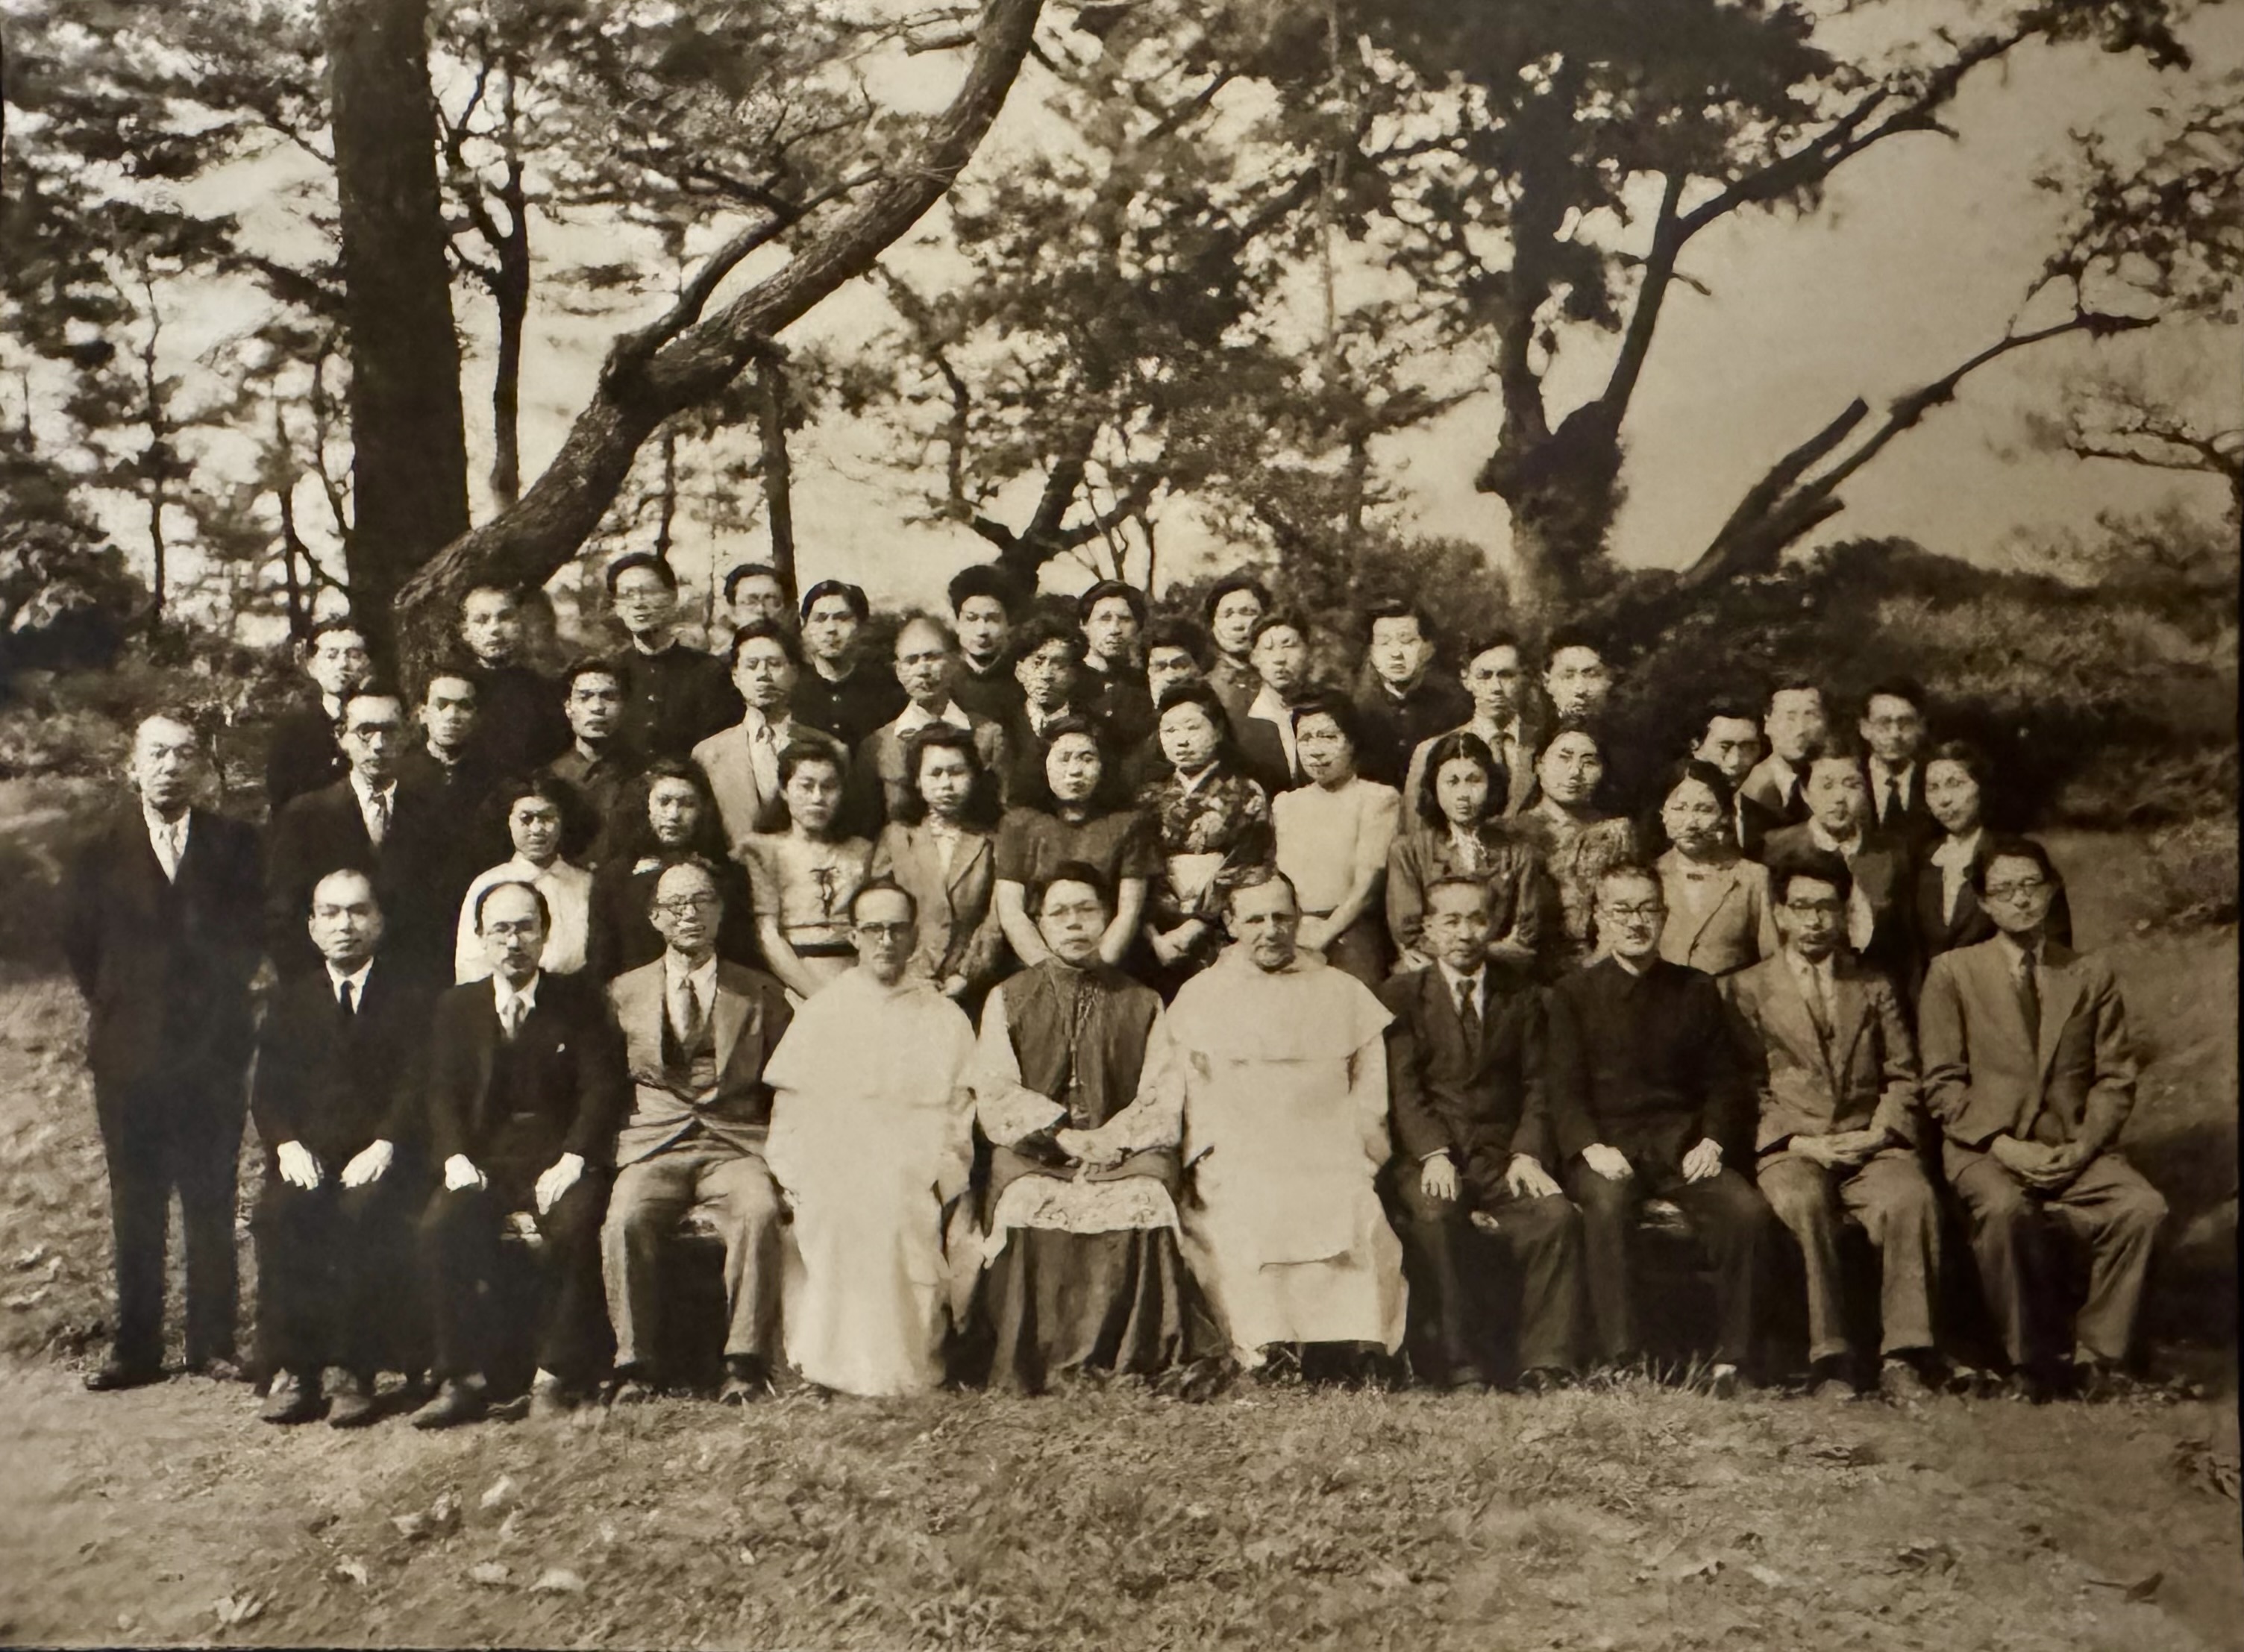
[927, 666]
[1837, 1137]
[742, 762]
[696, 1032]
[2031, 1074]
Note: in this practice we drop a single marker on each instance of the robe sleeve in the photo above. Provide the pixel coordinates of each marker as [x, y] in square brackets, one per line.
[1006, 1109]
[1155, 1117]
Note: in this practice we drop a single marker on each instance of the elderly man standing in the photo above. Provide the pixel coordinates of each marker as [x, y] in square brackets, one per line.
[871, 1136]
[1285, 1132]
[162, 939]
[697, 1032]
[927, 666]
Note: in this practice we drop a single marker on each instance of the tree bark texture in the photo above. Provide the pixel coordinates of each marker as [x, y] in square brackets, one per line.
[779, 469]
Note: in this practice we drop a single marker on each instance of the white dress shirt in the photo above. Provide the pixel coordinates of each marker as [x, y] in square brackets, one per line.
[168, 839]
[1954, 857]
[356, 981]
[378, 808]
[1271, 707]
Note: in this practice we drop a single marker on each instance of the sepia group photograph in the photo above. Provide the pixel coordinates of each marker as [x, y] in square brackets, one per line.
[927, 826]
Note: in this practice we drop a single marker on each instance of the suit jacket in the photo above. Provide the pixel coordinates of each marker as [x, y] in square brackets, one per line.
[1969, 925]
[571, 1064]
[519, 724]
[1479, 1106]
[1395, 726]
[852, 708]
[675, 699]
[731, 772]
[959, 934]
[879, 785]
[1982, 1079]
[301, 752]
[1865, 1075]
[460, 796]
[165, 965]
[1736, 929]
[996, 694]
[1647, 1064]
[336, 1082]
[1762, 787]
[1913, 826]
[1885, 876]
[1120, 704]
[1752, 821]
[746, 1021]
[324, 831]
[1263, 755]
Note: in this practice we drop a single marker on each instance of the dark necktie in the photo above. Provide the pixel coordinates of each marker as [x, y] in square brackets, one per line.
[1818, 1011]
[343, 997]
[1891, 813]
[2030, 998]
[1469, 1016]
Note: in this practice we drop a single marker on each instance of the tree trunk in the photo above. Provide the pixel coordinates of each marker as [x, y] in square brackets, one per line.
[506, 387]
[1563, 491]
[409, 455]
[779, 471]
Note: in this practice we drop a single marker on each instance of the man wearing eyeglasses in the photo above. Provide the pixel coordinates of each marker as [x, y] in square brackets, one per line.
[697, 1030]
[2030, 1070]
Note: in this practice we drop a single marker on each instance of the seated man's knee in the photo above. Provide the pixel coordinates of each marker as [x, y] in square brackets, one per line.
[1798, 1199]
[2141, 1209]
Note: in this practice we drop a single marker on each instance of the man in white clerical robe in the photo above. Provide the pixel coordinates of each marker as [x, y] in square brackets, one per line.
[871, 1142]
[1285, 1129]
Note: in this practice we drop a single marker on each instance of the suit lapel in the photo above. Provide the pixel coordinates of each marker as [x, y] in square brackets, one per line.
[2060, 992]
[727, 1018]
[1791, 1006]
[1853, 1005]
[971, 853]
[1731, 878]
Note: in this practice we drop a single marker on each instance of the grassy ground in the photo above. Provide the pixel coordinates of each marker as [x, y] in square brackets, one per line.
[1628, 1518]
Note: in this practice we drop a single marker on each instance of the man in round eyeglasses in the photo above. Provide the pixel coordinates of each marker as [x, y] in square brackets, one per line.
[2030, 1069]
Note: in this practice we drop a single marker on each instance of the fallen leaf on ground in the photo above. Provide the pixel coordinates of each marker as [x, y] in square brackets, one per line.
[352, 1572]
[1852, 1454]
[238, 1608]
[489, 1574]
[1936, 1557]
[557, 1580]
[498, 1492]
[411, 1527]
[1767, 1577]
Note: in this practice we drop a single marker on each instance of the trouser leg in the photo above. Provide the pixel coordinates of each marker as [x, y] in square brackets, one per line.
[1608, 1208]
[1545, 1236]
[1801, 1194]
[459, 1243]
[1893, 1202]
[133, 1145]
[298, 1239]
[205, 1161]
[2011, 1249]
[2118, 1214]
[644, 1208]
[571, 1287]
[746, 1204]
[1434, 1233]
[1733, 1222]
[380, 1312]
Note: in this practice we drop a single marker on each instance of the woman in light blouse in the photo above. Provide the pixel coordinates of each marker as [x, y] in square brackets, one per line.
[1957, 780]
[1718, 916]
[538, 812]
[803, 874]
[1333, 836]
[1579, 841]
[1460, 831]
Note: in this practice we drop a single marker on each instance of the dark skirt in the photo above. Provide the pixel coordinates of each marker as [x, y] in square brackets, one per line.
[1064, 1303]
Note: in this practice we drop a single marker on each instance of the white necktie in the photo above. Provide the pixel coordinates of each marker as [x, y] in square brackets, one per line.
[685, 1011]
[167, 838]
[377, 818]
[511, 1016]
[763, 757]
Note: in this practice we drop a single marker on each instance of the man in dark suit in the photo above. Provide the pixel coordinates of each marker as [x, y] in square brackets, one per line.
[1234, 607]
[844, 693]
[1729, 738]
[1893, 727]
[600, 763]
[518, 726]
[1881, 908]
[984, 604]
[1827, 1043]
[337, 1098]
[1648, 1100]
[1113, 692]
[526, 1091]
[162, 939]
[1048, 661]
[674, 697]
[1794, 727]
[1464, 1074]
[371, 822]
[1403, 699]
[697, 1031]
[302, 752]
[2030, 1069]
[447, 766]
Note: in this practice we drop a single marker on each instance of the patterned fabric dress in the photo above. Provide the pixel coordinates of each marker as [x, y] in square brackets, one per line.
[1210, 829]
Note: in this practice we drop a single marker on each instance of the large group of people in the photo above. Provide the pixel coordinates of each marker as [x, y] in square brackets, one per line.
[1057, 999]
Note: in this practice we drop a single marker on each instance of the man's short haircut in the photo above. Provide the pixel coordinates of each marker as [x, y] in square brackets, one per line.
[1631, 872]
[1174, 630]
[983, 807]
[1836, 747]
[983, 579]
[537, 895]
[747, 572]
[2010, 847]
[186, 717]
[1460, 744]
[1458, 881]
[852, 594]
[1972, 760]
[1237, 580]
[1256, 878]
[333, 624]
[451, 670]
[1568, 637]
[1476, 646]
[646, 559]
[594, 666]
[675, 768]
[1705, 774]
[367, 877]
[765, 630]
[1896, 688]
[373, 689]
[936, 622]
[1042, 632]
[1272, 622]
[671, 860]
[491, 587]
[1397, 608]
[1736, 710]
[1796, 685]
[1817, 865]
[1081, 872]
[883, 885]
[1088, 602]
[1330, 702]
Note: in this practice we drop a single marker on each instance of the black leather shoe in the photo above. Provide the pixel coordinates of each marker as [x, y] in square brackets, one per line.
[294, 1398]
[123, 1373]
[745, 1380]
[1545, 1379]
[352, 1406]
[1468, 1379]
[455, 1402]
[218, 1368]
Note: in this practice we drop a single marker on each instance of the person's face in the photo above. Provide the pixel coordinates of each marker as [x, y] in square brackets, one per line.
[594, 705]
[490, 621]
[374, 737]
[1457, 926]
[1493, 679]
[1892, 728]
[166, 762]
[1952, 795]
[763, 673]
[1631, 914]
[923, 666]
[1110, 630]
[883, 930]
[346, 923]
[758, 597]
[1072, 768]
[643, 603]
[830, 628]
[982, 627]
[813, 793]
[1281, 657]
[1328, 755]
[448, 713]
[1167, 666]
[2017, 895]
[1796, 723]
[1461, 788]
[1188, 737]
[1570, 769]
[1265, 919]
[1694, 819]
[685, 911]
[1732, 744]
[513, 935]
[1234, 620]
[338, 662]
[945, 779]
[674, 810]
[1047, 676]
[1579, 681]
[1837, 796]
[1812, 918]
[1399, 649]
[534, 823]
[1071, 922]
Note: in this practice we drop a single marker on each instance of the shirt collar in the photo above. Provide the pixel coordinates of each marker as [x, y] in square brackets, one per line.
[1957, 851]
[754, 719]
[1881, 771]
[158, 823]
[1786, 774]
[1635, 972]
[1823, 841]
[1454, 980]
[506, 995]
[913, 717]
[356, 979]
[704, 978]
[368, 793]
[2019, 950]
